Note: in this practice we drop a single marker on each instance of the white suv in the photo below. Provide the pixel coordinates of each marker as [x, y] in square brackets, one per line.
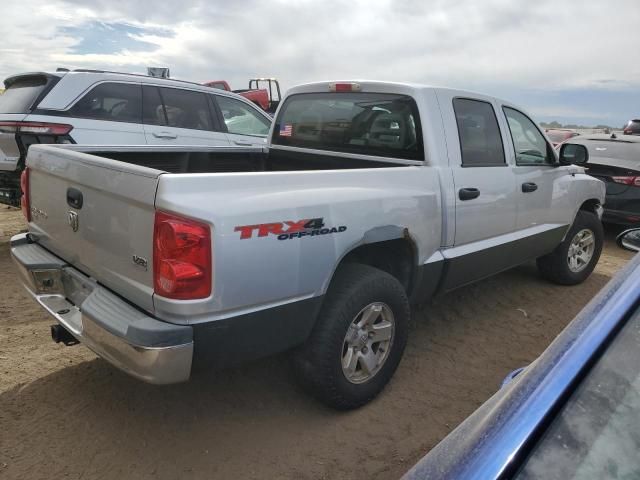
[106, 108]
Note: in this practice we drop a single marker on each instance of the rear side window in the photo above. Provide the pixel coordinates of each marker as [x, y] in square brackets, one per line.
[113, 102]
[241, 118]
[377, 124]
[531, 148]
[480, 140]
[21, 94]
[186, 109]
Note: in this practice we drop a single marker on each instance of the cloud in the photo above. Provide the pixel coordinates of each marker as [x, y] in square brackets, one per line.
[493, 46]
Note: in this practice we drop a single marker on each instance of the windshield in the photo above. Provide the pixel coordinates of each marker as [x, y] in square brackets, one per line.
[596, 434]
[21, 94]
[376, 124]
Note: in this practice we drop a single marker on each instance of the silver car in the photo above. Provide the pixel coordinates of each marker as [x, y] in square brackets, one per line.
[106, 108]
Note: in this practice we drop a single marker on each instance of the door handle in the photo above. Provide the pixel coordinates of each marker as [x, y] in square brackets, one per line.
[242, 144]
[165, 135]
[468, 193]
[529, 187]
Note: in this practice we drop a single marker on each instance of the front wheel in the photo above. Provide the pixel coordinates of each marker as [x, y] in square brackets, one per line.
[358, 340]
[575, 258]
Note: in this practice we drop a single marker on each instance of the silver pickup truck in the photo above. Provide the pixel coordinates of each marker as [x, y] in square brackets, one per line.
[370, 196]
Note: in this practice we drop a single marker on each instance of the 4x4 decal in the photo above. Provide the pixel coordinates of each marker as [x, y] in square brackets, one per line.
[287, 230]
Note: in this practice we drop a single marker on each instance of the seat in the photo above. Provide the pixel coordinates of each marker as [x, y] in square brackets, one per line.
[388, 130]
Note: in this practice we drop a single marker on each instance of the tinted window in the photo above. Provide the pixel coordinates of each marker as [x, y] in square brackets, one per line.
[530, 146]
[152, 107]
[241, 118]
[186, 109]
[480, 140]
[21, 94]
[363, 123]
[596, 433]
[115, 102]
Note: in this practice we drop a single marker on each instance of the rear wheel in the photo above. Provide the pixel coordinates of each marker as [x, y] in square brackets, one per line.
[358, 340]
[576, 257]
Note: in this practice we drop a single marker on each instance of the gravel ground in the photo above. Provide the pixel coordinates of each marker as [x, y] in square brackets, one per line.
[64, 413]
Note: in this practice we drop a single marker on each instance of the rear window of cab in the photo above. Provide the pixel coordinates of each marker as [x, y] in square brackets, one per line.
[376, 124]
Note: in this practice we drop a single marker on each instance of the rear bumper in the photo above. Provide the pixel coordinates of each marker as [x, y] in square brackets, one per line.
[133, 341]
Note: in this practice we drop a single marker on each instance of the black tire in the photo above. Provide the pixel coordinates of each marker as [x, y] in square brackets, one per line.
[555, 267]
[318, 362]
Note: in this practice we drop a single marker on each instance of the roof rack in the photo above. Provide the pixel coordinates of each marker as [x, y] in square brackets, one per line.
[87, 70]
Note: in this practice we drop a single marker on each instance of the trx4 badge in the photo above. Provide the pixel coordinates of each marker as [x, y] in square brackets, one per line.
[309, 227]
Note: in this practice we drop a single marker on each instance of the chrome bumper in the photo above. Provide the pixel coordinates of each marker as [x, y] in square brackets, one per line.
[133, 341]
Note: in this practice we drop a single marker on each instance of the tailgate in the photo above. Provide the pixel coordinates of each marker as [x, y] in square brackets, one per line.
[96, 214]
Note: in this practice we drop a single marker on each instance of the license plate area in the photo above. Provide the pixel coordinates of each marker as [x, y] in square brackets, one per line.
[62, 292]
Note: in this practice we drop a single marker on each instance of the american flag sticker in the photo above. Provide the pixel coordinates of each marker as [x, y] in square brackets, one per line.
[286, 130]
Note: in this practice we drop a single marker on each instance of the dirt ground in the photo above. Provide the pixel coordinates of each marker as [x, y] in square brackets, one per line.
[64, 413]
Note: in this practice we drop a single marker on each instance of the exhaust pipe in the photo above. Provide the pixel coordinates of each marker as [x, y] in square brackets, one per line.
[61, 334]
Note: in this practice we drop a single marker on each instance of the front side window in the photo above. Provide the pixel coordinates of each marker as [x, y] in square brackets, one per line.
[531, 148]
[115, 102]
[480, 140]
[186, 109]
[241, 119]
[377, 124]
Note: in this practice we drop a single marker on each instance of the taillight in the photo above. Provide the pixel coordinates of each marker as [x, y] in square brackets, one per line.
[182, 267]
[344, 87]
[37, 128]
[24, 199]
[634, 181]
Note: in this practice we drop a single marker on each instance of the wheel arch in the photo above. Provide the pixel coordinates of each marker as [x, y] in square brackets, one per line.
[389, 248]
[591, 205]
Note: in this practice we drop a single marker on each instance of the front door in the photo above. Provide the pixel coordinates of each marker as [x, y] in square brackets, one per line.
[544, 202]
[245, 125]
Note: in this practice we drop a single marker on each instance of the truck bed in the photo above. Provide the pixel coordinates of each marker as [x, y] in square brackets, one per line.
[232, 159]
[122, 188]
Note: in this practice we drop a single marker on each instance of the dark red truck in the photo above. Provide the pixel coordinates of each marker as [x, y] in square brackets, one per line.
[266, 98]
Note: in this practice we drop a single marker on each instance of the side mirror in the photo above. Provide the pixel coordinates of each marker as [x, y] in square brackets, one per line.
[629, 240]
[572, 153]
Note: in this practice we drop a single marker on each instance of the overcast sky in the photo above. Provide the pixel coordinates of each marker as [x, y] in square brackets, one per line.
[572, 61]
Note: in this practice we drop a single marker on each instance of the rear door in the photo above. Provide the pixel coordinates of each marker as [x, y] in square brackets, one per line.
[175, 116]
[245, 124]
[109, 114]
[485, 193]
